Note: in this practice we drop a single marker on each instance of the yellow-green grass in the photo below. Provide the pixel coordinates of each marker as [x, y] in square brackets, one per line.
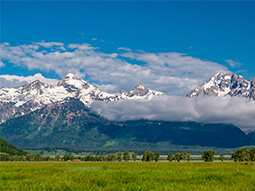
[126, 176]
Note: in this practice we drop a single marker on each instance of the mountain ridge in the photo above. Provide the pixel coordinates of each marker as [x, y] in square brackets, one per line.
[72, 124]
[30, 97]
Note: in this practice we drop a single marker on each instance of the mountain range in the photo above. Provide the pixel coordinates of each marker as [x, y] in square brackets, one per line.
[42, 115]
[15, 102]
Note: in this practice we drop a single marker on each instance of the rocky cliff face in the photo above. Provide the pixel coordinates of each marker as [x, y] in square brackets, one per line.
[22, 100]
[226, 85]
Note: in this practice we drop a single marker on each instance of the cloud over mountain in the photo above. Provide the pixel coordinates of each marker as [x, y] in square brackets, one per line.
[173, 73]
[233, 110]
[15, 81]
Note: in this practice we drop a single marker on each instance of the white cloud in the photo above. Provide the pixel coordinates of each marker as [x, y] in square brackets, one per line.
[108, 87]
[15, 81]
[233, 64]
[123, 48]
[233, 110]
[94, 39]
[1, 64]
[49, 44]
[172, 73]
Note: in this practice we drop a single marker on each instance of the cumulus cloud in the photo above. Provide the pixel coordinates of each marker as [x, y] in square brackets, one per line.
[172, 73]
[231, 110]
[233, 63]
[15, 81]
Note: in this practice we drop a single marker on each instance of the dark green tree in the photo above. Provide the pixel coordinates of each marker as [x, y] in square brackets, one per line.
[119, 156]
[156, 156]
[147, 156]
[183, 156]
[126, 156]
[170, 157]
[134, 156]
[38, 157]
[208, 155]
[177, 157]
[111, 157]
[241, 155]
[252, 154]
[57, 157]
[222, 157]
[47, 158]
[4, 157]
[66, 157]
[29, 157]
[188, 156]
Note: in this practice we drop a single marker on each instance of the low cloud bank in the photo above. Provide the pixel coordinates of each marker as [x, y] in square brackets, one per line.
[233, 110]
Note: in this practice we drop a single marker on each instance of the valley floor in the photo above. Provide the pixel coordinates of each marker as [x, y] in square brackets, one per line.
[126, 176]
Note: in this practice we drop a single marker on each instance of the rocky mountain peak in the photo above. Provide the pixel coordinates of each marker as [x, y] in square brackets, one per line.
[35, 85]
[122, 91]
[72, 83]
[139, 90]
[225, 84]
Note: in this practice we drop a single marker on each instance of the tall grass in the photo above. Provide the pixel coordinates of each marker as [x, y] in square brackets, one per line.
[126, 176]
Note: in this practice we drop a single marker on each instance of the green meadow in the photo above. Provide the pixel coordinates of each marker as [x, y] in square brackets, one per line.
[126, 176]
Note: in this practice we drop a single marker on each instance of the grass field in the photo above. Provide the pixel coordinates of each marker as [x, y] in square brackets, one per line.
[126, 176]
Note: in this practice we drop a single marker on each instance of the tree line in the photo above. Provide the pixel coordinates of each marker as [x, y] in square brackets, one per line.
[240, 155]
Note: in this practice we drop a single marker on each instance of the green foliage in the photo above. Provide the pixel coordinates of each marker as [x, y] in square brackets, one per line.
[134, 156]
[177, 157]
[147, 156]
[156, 156]
[241, 155]
[9, 149]
[188, 156]
[119, 156]
[126, 156]
[38, 157]
[29, 157]
[57, 157]
[184, 155]
[222, 157]
[170, 157]
[68, 157]
[111, 157]
[252, 154]
[4, 157]
[208, 155]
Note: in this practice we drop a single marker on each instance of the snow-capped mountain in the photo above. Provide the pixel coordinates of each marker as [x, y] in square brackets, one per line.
[226, 85]
[18, 101]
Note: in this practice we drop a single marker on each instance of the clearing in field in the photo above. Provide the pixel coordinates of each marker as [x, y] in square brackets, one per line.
[126, 176]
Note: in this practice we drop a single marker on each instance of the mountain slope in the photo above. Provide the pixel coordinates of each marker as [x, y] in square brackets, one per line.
[22, 100]
[226, 85]
[7, 148]
[71, 124]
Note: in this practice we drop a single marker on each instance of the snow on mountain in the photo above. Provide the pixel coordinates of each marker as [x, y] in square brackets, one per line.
[226, 85]
[24, 99]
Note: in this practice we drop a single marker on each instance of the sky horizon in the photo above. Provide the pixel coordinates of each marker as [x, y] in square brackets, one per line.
[168, 46]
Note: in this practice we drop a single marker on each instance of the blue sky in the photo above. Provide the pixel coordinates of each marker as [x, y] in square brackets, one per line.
[219, 35]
